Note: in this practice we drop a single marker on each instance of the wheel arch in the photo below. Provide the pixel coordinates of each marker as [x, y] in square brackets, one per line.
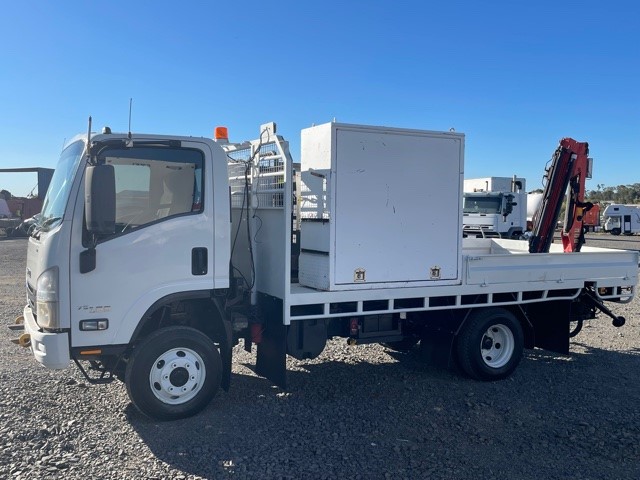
[199, 309]
[516, 310]
[440, 330]
[515, 232]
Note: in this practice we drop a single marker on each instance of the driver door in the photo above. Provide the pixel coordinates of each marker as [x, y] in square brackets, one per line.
[162, 246]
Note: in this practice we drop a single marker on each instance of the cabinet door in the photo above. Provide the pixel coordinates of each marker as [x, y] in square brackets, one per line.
[397, 213]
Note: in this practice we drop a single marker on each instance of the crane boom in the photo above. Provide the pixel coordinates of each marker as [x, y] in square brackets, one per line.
[566, 177]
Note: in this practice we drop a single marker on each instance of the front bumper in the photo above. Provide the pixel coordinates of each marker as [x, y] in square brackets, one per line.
[50, 349]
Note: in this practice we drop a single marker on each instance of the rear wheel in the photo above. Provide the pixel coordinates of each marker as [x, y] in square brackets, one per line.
[616, 231]
[173, 373]
[490, 345]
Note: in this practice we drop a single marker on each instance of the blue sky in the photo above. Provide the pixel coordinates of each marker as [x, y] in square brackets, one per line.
[514, 76]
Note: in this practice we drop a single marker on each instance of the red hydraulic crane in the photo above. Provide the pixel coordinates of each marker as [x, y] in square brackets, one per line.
[566, 176]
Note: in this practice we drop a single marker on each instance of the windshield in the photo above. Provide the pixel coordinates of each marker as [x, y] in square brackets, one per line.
[481, 204]
[58, 193]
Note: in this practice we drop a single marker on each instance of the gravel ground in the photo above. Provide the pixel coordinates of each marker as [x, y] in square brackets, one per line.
[354, 412]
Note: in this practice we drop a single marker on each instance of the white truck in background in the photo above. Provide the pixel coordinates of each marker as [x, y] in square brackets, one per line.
[155, 255]
[533, 203]
[495, 206]
[621, 219]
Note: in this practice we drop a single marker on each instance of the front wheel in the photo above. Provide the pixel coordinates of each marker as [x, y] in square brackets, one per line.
[616, 231]
[173, 373]
[490, 345]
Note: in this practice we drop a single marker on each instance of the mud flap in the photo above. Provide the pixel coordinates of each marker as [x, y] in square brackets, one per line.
[226, 345]
[227, 357]
[436, 346]
[271, 359]
[551, 323]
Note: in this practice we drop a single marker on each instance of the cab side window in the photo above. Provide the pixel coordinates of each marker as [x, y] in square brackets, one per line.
[154, 184]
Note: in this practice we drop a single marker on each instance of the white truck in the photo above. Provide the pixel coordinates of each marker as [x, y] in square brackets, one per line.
[156, 254]
[623, 219]
[495, 206]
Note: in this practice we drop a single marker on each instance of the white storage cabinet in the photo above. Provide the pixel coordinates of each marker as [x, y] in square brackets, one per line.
[393, 215]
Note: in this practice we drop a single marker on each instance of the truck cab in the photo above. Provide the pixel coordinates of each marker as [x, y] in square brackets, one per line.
[158, 248]
[494, 207]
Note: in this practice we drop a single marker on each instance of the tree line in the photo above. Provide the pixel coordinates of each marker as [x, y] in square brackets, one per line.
[626, 194]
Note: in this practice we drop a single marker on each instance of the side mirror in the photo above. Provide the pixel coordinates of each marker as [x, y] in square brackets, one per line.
[100, 199]
[508, 205]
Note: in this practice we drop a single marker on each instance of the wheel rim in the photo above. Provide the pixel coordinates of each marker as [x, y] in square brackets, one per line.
[177, 376]
[497, 346]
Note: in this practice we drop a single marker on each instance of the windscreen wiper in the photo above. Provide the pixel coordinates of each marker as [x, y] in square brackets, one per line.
[48, 222]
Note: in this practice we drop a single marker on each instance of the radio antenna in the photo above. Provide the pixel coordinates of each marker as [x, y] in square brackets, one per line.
[130, 103]
[89, 142]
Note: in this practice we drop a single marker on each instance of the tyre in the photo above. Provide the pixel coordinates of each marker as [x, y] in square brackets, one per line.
[615, 231]
[173, 373]
[490, 345]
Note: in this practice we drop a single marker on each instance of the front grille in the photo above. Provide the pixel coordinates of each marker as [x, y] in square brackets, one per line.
[31, 299]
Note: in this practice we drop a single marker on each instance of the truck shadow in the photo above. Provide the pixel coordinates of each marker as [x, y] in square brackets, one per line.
[394, 416]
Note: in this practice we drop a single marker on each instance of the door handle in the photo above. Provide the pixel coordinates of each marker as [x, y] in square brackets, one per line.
[199, 261]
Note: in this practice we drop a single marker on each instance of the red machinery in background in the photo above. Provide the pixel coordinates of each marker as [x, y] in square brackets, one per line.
[591, 220]
[23, 209]
[566, 177]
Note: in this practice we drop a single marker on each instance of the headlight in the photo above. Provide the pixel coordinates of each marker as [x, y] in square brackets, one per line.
[47, 299]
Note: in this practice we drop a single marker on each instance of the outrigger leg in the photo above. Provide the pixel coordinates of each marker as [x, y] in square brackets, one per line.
[618, 321]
